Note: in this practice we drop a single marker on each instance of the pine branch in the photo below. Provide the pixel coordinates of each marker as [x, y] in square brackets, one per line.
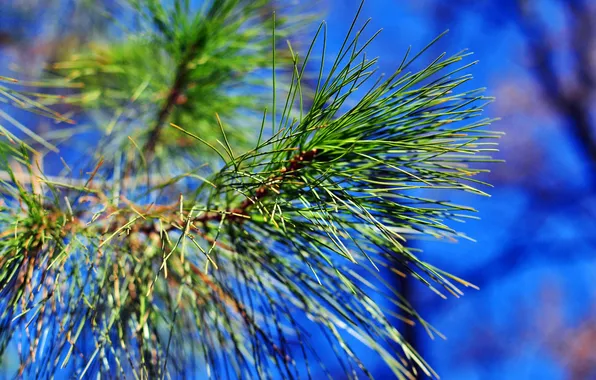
[176, 94]
[232, 269]
[199, 62]
[240, 213]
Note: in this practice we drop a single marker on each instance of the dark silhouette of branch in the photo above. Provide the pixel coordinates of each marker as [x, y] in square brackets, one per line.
[574, 105]
[524, 248]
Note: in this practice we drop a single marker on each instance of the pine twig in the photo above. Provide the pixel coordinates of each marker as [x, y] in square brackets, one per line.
[174, 97]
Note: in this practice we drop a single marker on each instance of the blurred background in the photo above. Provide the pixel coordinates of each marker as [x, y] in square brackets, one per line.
[535, 313]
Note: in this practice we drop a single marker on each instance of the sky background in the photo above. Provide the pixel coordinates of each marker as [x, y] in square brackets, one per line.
[534, 259]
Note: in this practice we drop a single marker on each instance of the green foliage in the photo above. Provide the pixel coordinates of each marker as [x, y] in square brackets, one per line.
[137, 268]
[192, 65]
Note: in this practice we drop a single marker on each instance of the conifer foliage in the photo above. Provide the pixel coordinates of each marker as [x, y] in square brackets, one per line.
[217, 228]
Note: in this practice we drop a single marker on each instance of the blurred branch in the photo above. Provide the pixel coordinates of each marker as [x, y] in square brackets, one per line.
[180, 83]
[583, 39]
[574, 105]
[524, 248]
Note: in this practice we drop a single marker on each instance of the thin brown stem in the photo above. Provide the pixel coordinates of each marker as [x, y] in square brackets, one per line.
[176, 93]
[240, 213]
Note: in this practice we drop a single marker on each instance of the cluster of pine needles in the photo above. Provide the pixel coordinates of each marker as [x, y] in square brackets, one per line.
[210, 234]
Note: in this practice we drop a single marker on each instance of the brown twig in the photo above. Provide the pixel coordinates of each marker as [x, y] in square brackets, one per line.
[240, 213]
[175, 96]
[114, 218]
